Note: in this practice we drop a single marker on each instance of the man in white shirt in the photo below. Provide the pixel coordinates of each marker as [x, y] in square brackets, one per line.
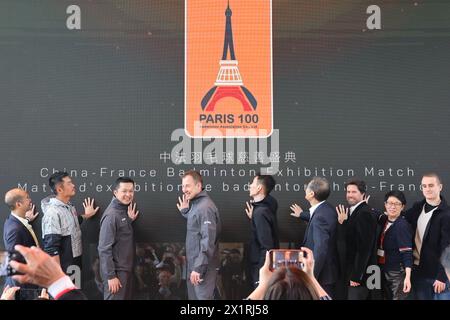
[320, 234]
[18, 230]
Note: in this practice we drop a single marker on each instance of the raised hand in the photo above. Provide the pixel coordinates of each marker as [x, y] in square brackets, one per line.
[297, 210]
[30, 215]
[183, 203]
[249, 209]
[89, 210]
[342, 213]
[132, 213]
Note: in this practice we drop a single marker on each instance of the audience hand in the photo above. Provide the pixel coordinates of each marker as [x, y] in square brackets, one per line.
[41, 269]
[9, 293]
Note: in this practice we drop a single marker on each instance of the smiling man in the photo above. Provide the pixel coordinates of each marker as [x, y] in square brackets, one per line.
[116, 246]
[202, 237]
[358, 233]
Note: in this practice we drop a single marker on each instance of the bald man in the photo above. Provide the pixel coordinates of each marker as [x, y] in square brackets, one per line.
[17, 230]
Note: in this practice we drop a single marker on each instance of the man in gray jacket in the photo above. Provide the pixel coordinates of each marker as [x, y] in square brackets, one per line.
[116, 247]
[202, 237]
[61, 230]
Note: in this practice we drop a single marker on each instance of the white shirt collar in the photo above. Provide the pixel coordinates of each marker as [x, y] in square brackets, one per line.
[28, 226]
[355, 206]
[314, 207]
[23, 220]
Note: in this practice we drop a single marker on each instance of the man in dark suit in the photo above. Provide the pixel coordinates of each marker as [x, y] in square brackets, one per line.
[17, 230]
[430, 221]
[357, 234]
[320, 234]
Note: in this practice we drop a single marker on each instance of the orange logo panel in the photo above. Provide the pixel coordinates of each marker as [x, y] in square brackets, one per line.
[228, 68]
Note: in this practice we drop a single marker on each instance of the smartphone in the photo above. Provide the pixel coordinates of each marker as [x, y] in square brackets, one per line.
[286, 258]
[4, 263]
[5, 257]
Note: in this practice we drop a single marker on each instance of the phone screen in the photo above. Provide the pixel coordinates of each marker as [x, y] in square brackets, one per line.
[285, 258]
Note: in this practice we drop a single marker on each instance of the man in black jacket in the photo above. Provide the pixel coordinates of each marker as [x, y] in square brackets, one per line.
[430, 221]
[357, 235]
[263, 216]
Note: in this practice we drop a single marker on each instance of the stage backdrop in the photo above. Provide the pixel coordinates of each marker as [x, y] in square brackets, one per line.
[97, 88]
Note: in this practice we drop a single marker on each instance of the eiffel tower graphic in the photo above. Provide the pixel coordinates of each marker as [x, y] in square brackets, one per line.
[229, 81]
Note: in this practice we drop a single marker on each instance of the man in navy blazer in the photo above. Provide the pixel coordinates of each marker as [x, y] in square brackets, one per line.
[17, 230]
[320, 234]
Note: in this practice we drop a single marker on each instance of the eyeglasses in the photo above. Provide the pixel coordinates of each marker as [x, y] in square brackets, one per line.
[393, 204]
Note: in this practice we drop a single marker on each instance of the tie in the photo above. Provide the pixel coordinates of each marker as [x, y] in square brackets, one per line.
[30, 229]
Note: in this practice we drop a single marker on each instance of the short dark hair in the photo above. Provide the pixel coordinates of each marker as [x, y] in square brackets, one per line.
[396, 194]
[321, 188]
[445, 259]
[56, 179]
[290, 283]
[195, 175]
[361, 185]
[433, 175]
[267, 181]
[122, 180]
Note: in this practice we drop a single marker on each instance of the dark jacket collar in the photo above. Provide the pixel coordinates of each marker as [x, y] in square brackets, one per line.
[268, 201]
[14, 218]
[117, 204]
[359, 206]
[202, 194]
[442, 206]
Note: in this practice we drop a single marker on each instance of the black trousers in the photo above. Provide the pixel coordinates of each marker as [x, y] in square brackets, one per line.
[330, 289]
[254, 274]
[393, 284]
[357, 293]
